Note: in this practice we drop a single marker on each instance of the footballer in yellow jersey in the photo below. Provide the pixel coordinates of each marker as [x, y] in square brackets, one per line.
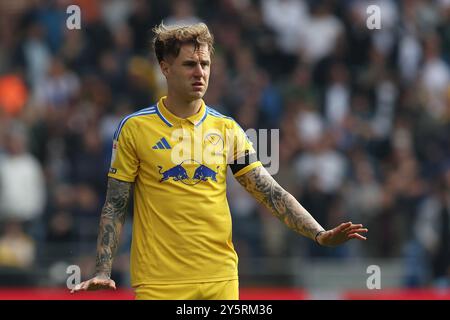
[176, 154]
[182, 223]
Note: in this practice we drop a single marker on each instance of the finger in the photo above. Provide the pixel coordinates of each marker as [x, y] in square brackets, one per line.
[111, 287]
[80, 286]
[357, 230]
[110, 284]
[353, 226]
[356, 236]
[85, 285]
[343, 226]
[74, 289]
[77, 287]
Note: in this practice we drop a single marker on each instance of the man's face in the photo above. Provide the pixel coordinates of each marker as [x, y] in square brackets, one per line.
[188, 74]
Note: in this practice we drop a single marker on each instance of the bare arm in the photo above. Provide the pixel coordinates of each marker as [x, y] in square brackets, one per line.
[111, 221]
[261, 185]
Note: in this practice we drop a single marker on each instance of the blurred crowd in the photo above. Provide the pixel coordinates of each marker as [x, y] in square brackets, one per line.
[364, 120]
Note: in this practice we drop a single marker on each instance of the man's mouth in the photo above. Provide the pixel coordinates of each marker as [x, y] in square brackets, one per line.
[198, 85]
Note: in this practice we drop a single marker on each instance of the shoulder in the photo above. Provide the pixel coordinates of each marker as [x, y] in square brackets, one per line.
[230, 123]
[129, 121]
[216, 115]
[213, 112]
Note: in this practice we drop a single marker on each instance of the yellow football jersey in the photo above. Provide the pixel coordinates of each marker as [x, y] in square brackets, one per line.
[182, 222]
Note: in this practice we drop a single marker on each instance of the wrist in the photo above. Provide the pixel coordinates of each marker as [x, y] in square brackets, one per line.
[317, 236]
[103, 274]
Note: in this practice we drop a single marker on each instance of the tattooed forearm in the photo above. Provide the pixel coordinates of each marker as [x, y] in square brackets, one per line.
[111, 222]
[259, 183]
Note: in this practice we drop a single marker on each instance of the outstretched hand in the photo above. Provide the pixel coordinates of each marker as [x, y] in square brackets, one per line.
[341, 234]
[96, 283]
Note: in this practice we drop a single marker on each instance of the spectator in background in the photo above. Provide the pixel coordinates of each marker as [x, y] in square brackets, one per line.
[59, 88]
[337, 96]
[322, 161]
[115, 12]
[17, 255]
[287, 18]
[432, 231]
[13, 94]
[183, 13]
[17, 248]
[144, 15]
[35, 53]
[322, 22]
[435, 77]
[22, 183]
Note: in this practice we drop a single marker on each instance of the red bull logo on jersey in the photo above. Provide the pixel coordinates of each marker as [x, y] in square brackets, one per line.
[177, 173]
[204, 173]
[189, 172]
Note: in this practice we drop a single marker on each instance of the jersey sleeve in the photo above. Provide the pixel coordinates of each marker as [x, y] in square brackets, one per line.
[124, 159]
[243, 156]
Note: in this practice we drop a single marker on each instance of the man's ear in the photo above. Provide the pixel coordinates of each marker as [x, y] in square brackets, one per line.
[165, 67]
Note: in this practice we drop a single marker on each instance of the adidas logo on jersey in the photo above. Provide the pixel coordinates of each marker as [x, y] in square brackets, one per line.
[162, 144]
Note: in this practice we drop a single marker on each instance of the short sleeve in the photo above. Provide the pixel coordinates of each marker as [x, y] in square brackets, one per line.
[124, 160]
[243, 156]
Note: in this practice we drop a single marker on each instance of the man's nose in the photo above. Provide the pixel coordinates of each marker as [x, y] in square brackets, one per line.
[198, 70]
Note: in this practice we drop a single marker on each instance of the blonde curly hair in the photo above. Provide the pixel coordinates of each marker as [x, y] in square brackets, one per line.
[168, 39]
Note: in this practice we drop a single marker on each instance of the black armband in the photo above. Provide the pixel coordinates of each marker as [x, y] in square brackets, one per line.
[243, 161]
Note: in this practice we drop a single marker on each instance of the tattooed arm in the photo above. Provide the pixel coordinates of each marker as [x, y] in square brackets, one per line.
[111, 221]
[260, 184]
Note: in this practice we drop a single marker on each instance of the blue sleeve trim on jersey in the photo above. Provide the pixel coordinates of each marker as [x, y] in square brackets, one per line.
[146, 111]
[215, 113]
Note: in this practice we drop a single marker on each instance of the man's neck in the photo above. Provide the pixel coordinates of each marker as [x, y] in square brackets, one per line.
[180, 108]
